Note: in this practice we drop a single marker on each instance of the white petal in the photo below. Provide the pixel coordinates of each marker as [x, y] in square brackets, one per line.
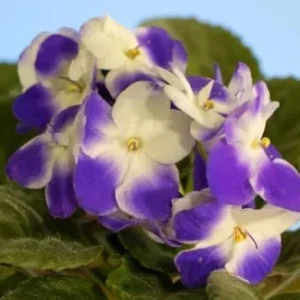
[108, 41]
[26, 65]
[69, 32]
[266, 222]
[204, 94]
[173, 142]
[138, 104]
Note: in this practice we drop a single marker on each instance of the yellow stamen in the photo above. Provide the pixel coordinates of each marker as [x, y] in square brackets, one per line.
[133, 144]
[133, 53]
[74, 88]
[239, 234]
[264, 142]
[209, 104]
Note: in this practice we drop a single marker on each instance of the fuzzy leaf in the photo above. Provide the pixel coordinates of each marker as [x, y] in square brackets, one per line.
[286, 297]
[223, 286]
[48, 254]
[130, 283]
[54, 288]
[149, 253]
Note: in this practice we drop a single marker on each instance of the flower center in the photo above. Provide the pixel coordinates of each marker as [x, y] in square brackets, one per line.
[239, 234]
[133, 53]
[264, 142]
[209, 104]
[72, 86]
[133, 144]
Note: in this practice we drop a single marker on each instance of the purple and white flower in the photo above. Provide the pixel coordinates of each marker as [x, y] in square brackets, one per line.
[129, 55]
[244, 163]
[246, 242]
[128, 154]
[48, 161]
[56, 72]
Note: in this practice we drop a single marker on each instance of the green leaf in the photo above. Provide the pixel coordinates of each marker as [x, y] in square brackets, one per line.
[289, 260]
[149, 253]
[21, 213]
[54, 288]
[286, 297]
[223, 286]
[194, 294]
[131, 283]
[48, 254]
[9, 279]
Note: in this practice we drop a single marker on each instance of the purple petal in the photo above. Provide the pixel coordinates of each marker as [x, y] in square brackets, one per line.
[218, 91]
[278, 183]
[218, 74]
[54, 51]
[65, 118]
[35, 107]
[60, 194]
[95, 183]
[158, 45]
[23, 129]
[199, 222]
[199, 172]
[147, 194]
[117, 221]
[272, 152]
[117, 81]
[31, 165]
[196, 265]
[228, 175]
[254, 262]
[179, 56]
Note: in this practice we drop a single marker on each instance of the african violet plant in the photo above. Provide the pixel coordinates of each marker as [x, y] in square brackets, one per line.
[118, 124]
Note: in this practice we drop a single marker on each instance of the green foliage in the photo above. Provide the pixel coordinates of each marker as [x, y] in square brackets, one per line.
[207, 44]
[149, 253]
[53, 288]
[48, 254]
[223, 286]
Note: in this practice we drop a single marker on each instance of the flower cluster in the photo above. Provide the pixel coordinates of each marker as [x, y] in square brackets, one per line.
[116, 113]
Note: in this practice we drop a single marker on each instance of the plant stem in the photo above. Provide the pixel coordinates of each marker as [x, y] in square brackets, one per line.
[283, 285]
[201, 150]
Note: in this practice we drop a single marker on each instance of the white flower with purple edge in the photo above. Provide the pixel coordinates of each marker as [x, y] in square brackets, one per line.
[128, 154]
[244, 163]
[130, 55]
[246, 242]
[48, 161]
[56, 72]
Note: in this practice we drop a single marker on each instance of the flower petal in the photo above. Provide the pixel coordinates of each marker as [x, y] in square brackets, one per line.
[117, 221]
[218, 74]
[60, 194]
[140, 102]
[173, 142]
[241, 83]
[54, 51]
[196, 265]
[278, 182]
[179, 56]
[35, 107]
[228, 174]
[107, 40]
[147, 189]
[254, 262]
[119, 80]
[26, 65]
[199, 172]
[158, 45]
[31, 166]
[209, 223]
[95, 182]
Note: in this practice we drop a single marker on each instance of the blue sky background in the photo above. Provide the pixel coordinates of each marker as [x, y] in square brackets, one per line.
[270, 28]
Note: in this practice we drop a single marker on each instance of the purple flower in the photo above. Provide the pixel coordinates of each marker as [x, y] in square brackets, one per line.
[48, 161]
[55, 73]
[246, 242]
[128, 155]
[244, 163]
